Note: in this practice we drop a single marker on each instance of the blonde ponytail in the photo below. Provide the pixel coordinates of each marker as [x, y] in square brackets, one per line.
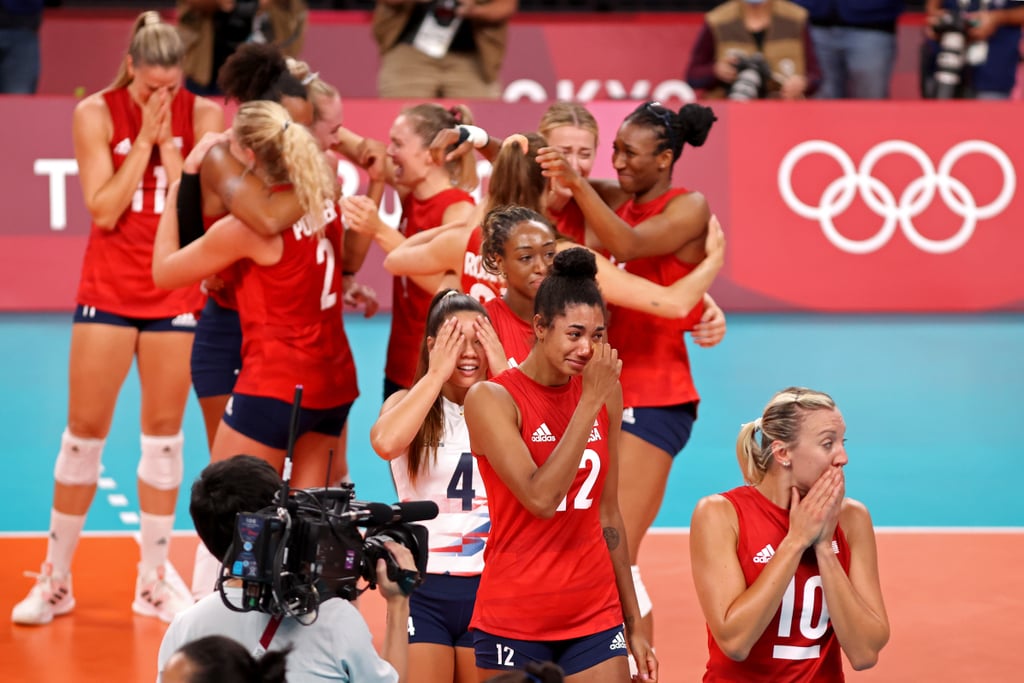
[780, 422]
[287, 153]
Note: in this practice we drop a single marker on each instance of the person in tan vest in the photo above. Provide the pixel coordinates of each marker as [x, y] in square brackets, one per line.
[751, 49]
[441, 48]
[213, 29]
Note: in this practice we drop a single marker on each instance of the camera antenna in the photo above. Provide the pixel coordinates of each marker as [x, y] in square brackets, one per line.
[293, 429]
[330, 463]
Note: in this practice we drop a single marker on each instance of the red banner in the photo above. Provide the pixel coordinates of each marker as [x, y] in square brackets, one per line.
[831, 206]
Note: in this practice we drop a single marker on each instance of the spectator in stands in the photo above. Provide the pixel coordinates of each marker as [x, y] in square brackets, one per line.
[219, 659]
[752, 49]
[441, 48]
[337, 646]
[19, 46]
[856, 43]
[213, 29]
[992, 54]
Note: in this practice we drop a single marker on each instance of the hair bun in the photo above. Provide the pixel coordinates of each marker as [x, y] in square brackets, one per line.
[575, 263]
[697, 121]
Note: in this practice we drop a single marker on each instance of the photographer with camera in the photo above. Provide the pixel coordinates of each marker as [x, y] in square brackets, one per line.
[337, 645]
[754, 49]
[973, 49]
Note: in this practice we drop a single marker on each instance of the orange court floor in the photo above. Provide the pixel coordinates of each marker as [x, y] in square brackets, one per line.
[955, 603]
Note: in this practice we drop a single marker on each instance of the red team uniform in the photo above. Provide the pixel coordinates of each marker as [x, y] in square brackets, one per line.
[117, 274]
[409, 302]
[292, 324]
[799, 644]
[516, 336]
[476, 280]
[655, 365]
[552, 577]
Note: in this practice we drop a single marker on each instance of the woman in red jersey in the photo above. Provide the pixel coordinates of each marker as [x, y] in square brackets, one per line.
[433, 192]
[658, 232]
[130, 140]
[288, 293]
[556, 584]
[786, 567]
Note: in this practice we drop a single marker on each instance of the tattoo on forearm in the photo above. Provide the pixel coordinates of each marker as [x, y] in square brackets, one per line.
[611, 537]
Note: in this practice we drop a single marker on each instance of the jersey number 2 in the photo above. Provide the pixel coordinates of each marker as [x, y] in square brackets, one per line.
[325, 254]
[583, 499]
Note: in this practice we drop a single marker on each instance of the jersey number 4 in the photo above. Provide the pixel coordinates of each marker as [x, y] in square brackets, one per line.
[461, 484]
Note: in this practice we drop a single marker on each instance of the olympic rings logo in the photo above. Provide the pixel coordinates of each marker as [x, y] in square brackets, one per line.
[917, 196]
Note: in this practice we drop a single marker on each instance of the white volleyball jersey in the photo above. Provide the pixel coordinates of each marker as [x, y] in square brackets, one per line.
[458, 534]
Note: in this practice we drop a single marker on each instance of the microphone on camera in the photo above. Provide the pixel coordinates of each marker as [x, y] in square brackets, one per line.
[411, 511]
[376, 514]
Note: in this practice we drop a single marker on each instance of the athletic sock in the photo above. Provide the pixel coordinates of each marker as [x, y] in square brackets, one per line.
[156, 539]
[65, 530]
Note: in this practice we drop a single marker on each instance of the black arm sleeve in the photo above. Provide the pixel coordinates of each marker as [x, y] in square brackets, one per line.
[190, 209]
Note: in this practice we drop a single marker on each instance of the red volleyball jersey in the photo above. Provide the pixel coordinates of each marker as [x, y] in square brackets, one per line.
[117, 273]
[548, 579]
[799, 644]
[292, 331]
[655, 365]
[476, 281]
[516, 336]
[570, 222]
[409, 302]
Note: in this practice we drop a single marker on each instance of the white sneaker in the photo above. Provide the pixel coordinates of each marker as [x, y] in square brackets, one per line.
[155, 596]
[49, 598]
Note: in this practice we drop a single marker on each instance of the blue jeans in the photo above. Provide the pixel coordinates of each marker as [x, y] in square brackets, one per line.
[855, 62]
[19, 61]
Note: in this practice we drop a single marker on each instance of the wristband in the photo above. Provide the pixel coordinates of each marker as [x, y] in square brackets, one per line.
[190, 209]
[478, 136]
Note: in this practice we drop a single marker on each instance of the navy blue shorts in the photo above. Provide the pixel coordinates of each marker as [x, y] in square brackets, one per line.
[267, 419]
[496, 653]
[667, 427]
[216, 351]
[185, 322]
[440, 610]
[391, 387]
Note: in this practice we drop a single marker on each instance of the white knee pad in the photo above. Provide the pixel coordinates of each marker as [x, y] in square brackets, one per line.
[78, 462]
[162, 465]
[642, 598]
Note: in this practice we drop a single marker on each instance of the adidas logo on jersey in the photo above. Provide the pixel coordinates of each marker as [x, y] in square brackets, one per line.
[618, 642]
[595, 433]
[542, 433]
[764, 554]
[122, 148]
[184, 320]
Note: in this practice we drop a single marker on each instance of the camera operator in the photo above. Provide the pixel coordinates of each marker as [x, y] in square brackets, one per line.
[752, 49]
[337, 645]
[981, 63]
